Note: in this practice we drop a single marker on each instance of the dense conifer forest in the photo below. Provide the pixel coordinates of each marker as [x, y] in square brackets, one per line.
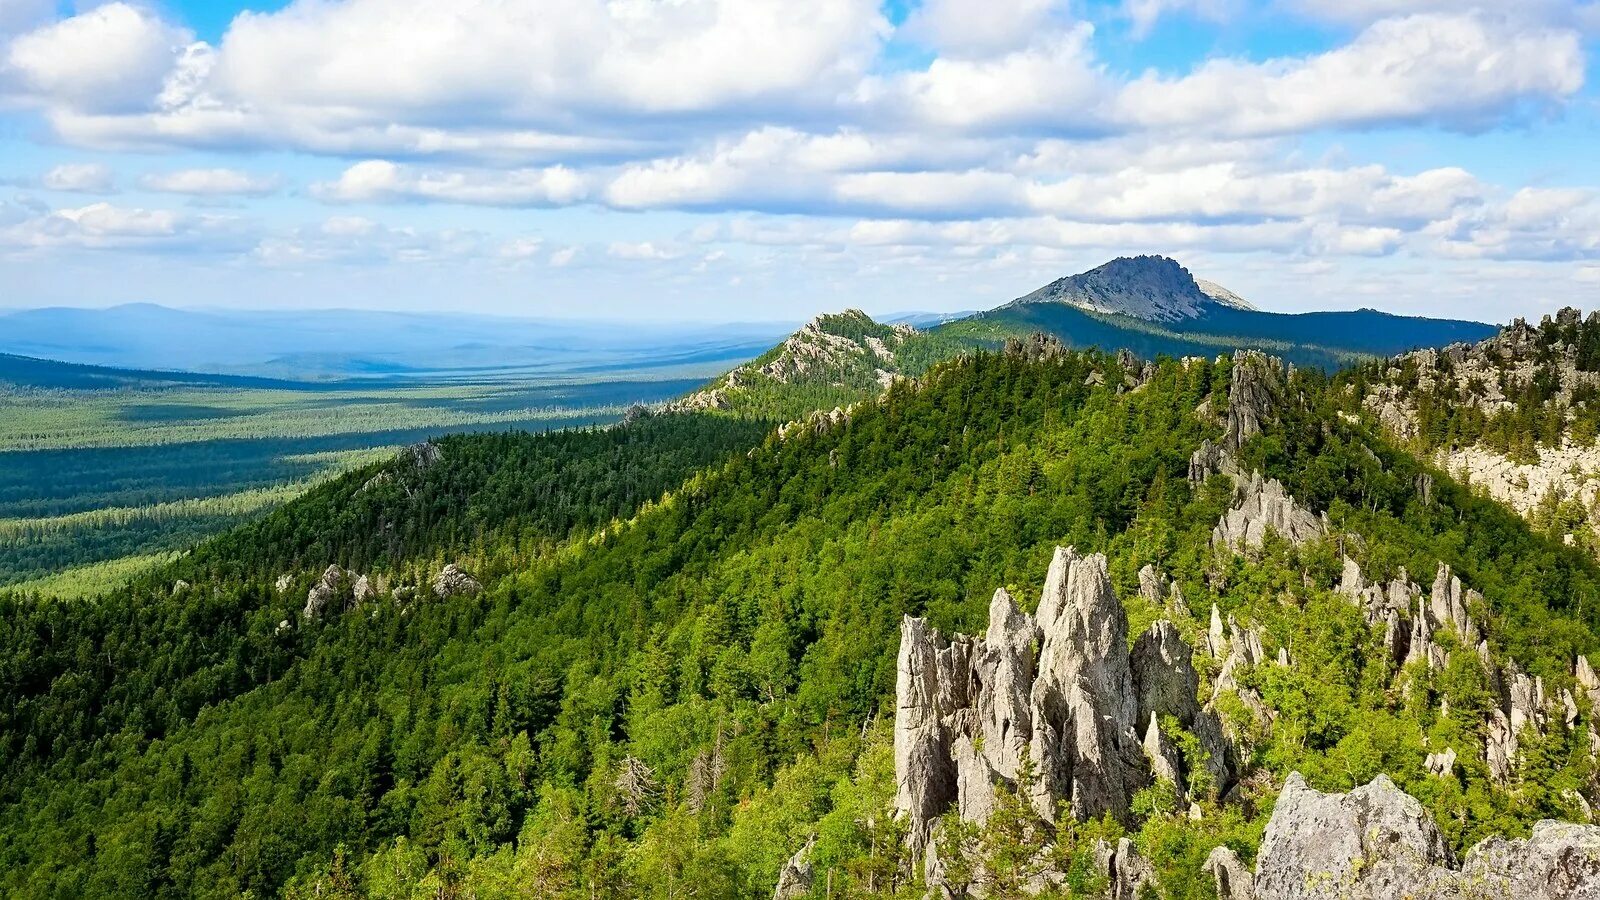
[681, 665]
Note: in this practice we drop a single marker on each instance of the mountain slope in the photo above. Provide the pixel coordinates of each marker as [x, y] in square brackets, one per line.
[1517, 415]
[1153, 306]
[674, 703]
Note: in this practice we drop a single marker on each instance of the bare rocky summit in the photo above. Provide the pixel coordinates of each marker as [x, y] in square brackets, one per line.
[1155, 288]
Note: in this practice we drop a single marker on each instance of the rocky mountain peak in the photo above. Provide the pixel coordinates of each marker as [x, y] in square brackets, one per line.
[836, 350]
[1156, 288]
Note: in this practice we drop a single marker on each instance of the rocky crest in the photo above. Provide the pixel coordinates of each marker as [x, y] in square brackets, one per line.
[1555, 365]
[1262, 506]
[843, 350]
[1155, 288]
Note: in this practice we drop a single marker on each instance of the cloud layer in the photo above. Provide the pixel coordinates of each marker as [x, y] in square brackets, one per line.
[994, 133]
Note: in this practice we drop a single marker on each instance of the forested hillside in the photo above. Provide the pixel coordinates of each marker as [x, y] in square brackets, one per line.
[659, 660]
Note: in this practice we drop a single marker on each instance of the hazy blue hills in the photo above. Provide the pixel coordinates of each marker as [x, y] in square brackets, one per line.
[337, 344]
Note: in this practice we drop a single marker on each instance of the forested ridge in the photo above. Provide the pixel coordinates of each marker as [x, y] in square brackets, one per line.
[682, 665]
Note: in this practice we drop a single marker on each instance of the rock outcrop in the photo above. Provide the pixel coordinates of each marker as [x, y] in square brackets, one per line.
[1262, 506]
[1559, 861]
[330, 594]
[1059, 690]
[841, 350]
[1233, 880]
[1085, 713]
[1378, 842]
[1492, 377]
[1374, 842]
[452, 581]
[1252, 397]
[794, 881]
[1167, 685]
[1128, 875]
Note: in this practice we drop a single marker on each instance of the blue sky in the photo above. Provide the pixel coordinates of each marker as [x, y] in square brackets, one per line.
[764, 159]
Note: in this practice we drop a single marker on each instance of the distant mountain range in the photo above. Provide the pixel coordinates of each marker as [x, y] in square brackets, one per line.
[342, 344]
[1149, 305]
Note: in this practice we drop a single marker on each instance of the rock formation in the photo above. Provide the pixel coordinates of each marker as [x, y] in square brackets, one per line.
[1128, 875]
[794, 881]
[1378, 842]
[1263, 506]
[1234, 881]
[1442, 764]
[1252, 397]
[329, 594]
[1060, 690]
[1085, 713]
[1559, 860]
[1374, 842]
[452, 581]
[1491, 376]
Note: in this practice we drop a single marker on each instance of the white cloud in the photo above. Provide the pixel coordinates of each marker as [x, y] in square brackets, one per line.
[103, 226]
[88, 178]
[354, 240]
[211, 183]
[642, 250]
[1052, 85]
[379, 180]
[541, 61]
[1459, 71]
[113, 58]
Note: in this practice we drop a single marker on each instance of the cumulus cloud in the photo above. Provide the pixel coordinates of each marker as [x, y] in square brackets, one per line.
[642, 251]
[211, 183]
[88, 178]
[379, 180]
[993, 134]
[113, 58]
[1458, 71]
[1054, 84]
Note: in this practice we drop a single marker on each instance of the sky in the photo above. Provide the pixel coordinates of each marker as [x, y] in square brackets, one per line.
[720, 160]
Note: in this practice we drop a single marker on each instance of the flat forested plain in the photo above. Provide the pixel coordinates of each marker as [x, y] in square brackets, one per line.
[106, 471]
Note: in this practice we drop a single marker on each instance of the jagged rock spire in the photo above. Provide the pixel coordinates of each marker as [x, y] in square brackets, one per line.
[1060, 689]
[1085, 712]
[1252, 397]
